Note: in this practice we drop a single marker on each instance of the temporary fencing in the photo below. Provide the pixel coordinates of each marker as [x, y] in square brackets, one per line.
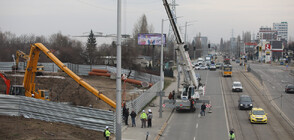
[85, 117]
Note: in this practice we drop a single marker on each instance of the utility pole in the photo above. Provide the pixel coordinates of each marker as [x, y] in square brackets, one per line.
[118, 73]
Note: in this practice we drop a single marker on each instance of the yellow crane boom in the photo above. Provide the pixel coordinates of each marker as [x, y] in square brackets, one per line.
[32, 69]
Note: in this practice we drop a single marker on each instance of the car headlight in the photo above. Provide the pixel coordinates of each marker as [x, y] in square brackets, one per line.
[252, 117]
[250, 104]
[264, 117]
[241, 104]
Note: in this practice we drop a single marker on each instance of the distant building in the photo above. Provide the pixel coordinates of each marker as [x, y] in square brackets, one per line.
[266, 33]
[282, 30]
[204, 44]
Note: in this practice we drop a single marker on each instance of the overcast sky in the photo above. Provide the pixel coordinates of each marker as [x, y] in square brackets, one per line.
[213, 18]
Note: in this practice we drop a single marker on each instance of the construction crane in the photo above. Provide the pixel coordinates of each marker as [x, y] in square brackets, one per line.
[188, 94]
[28, 89]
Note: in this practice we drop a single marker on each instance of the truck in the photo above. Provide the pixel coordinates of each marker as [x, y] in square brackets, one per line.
[29, 86]
[189, 94]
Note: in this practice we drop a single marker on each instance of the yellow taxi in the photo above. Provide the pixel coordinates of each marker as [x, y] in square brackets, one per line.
[257, 115]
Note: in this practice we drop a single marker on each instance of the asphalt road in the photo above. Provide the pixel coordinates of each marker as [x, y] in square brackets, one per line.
[277, 127]
[275, 78]
[191, 126]
[225, 113]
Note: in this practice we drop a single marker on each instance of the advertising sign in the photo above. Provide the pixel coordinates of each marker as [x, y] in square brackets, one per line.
[150, 39]
[267, 46]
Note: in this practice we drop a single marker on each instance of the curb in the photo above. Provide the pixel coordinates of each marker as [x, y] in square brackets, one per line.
[163, 127]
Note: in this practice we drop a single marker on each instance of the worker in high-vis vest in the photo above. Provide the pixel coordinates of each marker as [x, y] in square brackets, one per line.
[143, 118]
[107, 133]
[232, 135]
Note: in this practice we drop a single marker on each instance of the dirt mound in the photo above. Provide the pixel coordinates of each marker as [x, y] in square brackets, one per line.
[29, 129]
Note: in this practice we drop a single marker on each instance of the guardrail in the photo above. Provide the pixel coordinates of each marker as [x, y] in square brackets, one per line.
[256, 75]
[88, 118]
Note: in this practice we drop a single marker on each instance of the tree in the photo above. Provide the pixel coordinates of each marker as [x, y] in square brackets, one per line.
[91, 49]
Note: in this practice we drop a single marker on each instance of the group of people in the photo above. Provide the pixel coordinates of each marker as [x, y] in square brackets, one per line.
[126, 116]
[146, 117]
[143, 117]
[171, 95]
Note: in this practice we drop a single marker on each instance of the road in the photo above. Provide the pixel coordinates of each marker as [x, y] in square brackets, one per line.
[277, 127]
[226, 115]
[191, 126]
[275, 79]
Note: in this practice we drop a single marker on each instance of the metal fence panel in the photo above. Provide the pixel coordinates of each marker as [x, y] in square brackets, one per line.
[89, 118]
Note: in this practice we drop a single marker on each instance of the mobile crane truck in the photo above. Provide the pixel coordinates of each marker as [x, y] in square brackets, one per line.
[189, 95]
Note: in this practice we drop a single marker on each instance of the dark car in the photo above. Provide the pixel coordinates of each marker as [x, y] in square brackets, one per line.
[245, 102]
[289, 88]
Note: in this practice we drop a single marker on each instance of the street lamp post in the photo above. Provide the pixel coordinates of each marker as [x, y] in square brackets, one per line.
[161, 69]
[118, 73]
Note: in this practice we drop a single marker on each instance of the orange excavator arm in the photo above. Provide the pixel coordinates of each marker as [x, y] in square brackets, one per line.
[32, 68]
[7, 82]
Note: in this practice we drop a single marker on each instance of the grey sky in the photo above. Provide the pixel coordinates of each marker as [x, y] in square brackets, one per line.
[215, 18]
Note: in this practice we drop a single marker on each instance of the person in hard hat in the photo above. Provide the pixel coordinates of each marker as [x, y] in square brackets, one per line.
[107, 133]
[232, 134]
[149, 116]
[143, 118]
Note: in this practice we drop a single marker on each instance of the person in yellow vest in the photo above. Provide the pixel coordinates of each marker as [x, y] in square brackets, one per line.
[143, 118]
[107, 133]
[232, 135]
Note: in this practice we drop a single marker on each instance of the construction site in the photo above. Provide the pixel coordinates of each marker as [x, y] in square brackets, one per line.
[96, 90]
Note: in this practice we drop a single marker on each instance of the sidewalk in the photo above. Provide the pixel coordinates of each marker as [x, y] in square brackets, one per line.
[138, 133]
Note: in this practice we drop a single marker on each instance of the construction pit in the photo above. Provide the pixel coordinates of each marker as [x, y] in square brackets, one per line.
[62, 88]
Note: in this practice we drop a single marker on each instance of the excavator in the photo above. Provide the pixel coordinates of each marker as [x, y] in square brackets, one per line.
[6, 81]
[29, 86]
[20, 54]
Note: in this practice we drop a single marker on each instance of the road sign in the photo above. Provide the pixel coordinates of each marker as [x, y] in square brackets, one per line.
[267, 46]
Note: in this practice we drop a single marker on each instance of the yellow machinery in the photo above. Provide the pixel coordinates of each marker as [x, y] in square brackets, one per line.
[227, 70]
[29, 78]
[20, 54]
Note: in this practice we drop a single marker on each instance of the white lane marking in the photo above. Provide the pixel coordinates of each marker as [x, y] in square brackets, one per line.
[197, 125]
[227, 122]
[194, 138]
[198, 115]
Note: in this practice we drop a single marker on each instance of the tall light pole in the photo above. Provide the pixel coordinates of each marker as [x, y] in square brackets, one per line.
[118, 73]
[161, 69]
[186, 24]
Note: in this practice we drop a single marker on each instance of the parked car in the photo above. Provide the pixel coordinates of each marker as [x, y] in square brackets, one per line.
[237, 86]
[257, 115]
[245, 102]
[289, 88]
[218, 65]
[237, 61]
[203, 67]
[212, 67]
[197, 67]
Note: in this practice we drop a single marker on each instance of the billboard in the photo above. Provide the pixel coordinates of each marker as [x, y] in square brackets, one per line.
[150, 39]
